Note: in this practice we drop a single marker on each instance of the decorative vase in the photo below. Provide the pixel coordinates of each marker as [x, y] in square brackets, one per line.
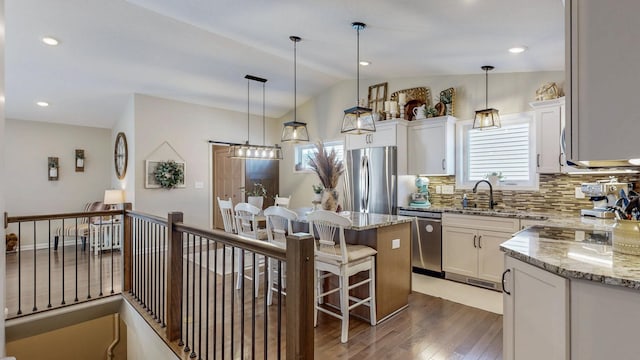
[255, 201]
[329, 200]
[626, 237]
[317, 197]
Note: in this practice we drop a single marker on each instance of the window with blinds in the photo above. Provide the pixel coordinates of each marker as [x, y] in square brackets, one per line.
[303, 152]
[508, 151]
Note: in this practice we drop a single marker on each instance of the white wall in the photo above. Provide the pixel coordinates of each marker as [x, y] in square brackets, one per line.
[187, 128]
[142, 341]
[27, 188]
[126, 125]
[2, 177]
[508, 92]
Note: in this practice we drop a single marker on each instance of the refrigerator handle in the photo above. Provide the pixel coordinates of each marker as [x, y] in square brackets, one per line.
[365, 187]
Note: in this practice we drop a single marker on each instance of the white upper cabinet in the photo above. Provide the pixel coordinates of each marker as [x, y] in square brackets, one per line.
[548, 132]
[603, 73]
[388, 133]
[431, 146]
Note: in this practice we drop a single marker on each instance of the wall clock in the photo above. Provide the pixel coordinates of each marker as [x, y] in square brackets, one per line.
[121, 155]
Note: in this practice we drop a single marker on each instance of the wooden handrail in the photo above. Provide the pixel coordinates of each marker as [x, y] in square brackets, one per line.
[147, 217]
[82, 214]
[257, 246]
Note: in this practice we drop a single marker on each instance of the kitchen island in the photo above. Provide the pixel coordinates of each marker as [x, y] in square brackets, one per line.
[566, 288]
[390, 235]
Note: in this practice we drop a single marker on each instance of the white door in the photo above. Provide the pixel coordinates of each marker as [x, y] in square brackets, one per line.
[548, 139]
[459, 251]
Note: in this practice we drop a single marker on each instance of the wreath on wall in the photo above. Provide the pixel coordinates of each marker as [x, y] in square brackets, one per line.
[169, 174]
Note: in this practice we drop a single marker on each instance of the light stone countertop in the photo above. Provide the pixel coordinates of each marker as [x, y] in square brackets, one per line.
[561, 250]
[366, 221]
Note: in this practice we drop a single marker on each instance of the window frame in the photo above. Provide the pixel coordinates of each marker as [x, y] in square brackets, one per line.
[462, 129]
[298, 148]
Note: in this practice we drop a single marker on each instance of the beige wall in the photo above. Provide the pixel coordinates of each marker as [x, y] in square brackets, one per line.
[2, 174]
[187, 128]
[26, 185]
[126, 125]
[508, 92]
[142, 341]
[87, 340]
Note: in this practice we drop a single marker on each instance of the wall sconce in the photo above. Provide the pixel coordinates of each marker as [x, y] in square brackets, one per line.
[79, 160]
[53, 168]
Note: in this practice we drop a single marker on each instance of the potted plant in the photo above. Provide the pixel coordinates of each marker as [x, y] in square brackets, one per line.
[494, 177]
[329, 169]
[255, 195]
[317, 191]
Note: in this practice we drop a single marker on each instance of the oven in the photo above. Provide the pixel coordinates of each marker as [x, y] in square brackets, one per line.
[426, 242]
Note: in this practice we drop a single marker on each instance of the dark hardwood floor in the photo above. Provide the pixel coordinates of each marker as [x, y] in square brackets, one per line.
[430, 328]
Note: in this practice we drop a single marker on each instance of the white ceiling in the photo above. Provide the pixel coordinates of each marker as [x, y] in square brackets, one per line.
[199, 50]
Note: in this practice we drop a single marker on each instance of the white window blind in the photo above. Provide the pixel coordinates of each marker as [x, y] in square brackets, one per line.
[504, 150]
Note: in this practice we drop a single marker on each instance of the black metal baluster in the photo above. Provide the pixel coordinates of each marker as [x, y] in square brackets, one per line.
[63, 231]
[182, 295]
[186, 294]
[280, 308]
[193, 300]
[206, 335]
[200, 298]
[49, 264]
[113, 238]
[76, 260]
[253, 308]
[215, 294]
[35, 308]
[224, 281]
[266, 319]
[163, 272]
[139, 263]
[145, 266]
[233, 303]
[152, 275]
[89, 262]
[156, 274]
[99, 247]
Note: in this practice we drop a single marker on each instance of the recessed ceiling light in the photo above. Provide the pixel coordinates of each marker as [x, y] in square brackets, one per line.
[517, 49]
[365, 62]
[50, 41]
[42, 103]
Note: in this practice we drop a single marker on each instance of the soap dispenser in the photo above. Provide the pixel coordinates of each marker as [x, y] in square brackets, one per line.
[465, 201]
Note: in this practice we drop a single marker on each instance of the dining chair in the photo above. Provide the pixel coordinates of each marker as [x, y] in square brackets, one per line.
[282, 201]
[247, 225]
[279, 225]
[342, 260]
[228, 218]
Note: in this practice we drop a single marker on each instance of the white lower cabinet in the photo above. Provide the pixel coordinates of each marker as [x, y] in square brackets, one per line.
[536, 314]
[471, 245]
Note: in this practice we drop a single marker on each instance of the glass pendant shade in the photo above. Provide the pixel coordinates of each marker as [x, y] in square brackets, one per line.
[294, 131]
[358, 120]
[487, 118]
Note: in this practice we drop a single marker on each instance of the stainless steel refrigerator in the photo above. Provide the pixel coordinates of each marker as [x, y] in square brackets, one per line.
[371, 180]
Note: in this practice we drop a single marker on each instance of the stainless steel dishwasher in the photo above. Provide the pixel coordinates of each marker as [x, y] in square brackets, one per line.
[426, 242]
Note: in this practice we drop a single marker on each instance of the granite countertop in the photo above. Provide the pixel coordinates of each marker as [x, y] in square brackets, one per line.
[366, 221]
[575, 253]
[482, 212]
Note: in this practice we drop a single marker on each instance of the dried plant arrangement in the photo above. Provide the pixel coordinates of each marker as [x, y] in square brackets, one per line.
[327, 166]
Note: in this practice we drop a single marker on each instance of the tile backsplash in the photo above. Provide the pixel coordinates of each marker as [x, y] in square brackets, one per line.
[556, 194]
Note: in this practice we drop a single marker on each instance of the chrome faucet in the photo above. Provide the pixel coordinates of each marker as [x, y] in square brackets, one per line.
[491, 202]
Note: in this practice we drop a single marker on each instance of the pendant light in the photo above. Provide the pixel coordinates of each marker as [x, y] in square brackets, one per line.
[487, 118]
[358, 120]
[294, 131]
[255, 152]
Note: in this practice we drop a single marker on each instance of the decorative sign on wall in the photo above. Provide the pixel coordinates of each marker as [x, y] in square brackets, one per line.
[79, 160]
[52, 168]
[164, 174]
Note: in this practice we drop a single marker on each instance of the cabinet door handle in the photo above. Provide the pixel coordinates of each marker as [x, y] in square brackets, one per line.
[538, 160]
[444, 164]
[474, 241]
[504, 274]
[480, 241]
[560, 160]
